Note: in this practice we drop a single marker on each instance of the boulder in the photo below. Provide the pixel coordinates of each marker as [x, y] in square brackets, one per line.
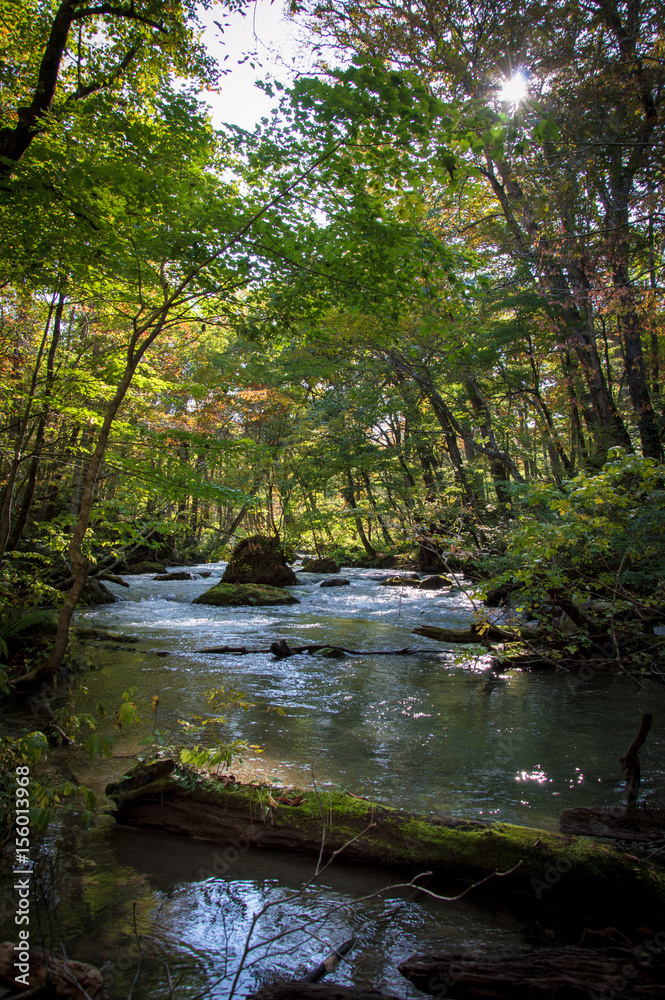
[259, 559]
[435, 583]
[400, 581]
[93, 593]
[320, 566]
[141, 568]
[237, 595]
[337, 581]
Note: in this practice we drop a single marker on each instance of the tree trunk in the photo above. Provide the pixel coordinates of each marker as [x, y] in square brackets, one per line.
[350, 497]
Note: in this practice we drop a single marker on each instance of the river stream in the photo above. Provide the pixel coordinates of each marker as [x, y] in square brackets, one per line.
[431, 732]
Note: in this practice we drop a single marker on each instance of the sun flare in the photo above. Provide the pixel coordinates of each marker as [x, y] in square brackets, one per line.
[514, 89]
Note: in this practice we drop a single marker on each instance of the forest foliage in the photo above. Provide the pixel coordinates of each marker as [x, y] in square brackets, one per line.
[405, 310]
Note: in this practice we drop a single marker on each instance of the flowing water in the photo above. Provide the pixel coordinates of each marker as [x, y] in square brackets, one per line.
[428, 732]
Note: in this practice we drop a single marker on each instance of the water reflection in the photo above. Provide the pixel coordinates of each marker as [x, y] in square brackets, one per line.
[177, 904]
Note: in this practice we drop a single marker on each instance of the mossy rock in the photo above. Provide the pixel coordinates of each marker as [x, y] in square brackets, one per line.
[94, 592]
[320, 566]
[259, 559]
[580, 878]
[141, 568]
[435, 583]
[238, 595]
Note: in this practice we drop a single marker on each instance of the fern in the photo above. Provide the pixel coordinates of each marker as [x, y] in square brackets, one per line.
[16, 624]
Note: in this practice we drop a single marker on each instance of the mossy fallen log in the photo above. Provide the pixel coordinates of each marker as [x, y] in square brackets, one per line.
[579, 876]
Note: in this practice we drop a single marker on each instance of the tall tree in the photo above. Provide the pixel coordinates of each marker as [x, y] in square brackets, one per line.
[570, 168]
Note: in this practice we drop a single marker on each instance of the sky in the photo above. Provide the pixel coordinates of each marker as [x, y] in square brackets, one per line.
[268, 37]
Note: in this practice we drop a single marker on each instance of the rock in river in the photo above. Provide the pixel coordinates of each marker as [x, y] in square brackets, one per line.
[320, 566]
[234, 595]
[259, 559]
[435, 583]
[336, 581]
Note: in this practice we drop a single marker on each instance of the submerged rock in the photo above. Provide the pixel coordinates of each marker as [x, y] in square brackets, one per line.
[320, 566]
[335, 582]
[259, 559]
[236, 595]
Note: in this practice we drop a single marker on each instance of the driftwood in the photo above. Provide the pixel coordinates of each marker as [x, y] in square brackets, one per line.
[630, 764]
[569, 973]
[330, 963]
[616, 823]
[317, 991]
[282, 650]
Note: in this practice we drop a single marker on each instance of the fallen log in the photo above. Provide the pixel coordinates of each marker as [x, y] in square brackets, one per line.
[317, 991]
[615, 823]
[543, 866]
[281, 650]
[571, 973]
[479, 632]
[330, 963]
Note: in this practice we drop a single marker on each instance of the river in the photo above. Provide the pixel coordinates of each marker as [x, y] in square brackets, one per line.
[432, 732]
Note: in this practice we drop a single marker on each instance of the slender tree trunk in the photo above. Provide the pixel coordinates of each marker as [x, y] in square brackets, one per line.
[499, 473]
[370, 495]
[22, 433]
[350, 496]
[629, 328]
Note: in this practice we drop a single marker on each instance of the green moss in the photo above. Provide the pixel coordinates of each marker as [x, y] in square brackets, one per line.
[231, 595]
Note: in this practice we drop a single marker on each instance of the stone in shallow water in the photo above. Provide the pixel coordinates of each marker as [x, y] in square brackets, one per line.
[261, 560]
[234, 595]
[320, 566]
[435, 583]
[336, 581]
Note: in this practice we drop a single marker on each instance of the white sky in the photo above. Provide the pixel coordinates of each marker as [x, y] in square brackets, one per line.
[267, 36]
